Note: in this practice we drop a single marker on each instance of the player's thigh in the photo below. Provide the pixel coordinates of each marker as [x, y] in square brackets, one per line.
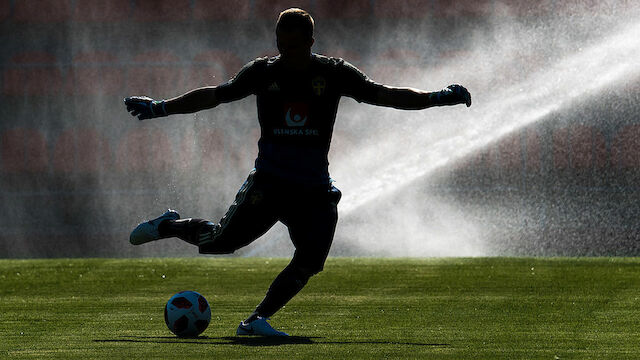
[248, 218]
[312, 230]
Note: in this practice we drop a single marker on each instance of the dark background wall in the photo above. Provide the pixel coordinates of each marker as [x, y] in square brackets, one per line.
[77, 172]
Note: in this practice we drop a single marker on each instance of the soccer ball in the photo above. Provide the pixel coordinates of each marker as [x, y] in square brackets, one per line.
[187, 314]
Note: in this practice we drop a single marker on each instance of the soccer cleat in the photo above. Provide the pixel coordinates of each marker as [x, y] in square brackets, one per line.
[259, 327]
[148, 230]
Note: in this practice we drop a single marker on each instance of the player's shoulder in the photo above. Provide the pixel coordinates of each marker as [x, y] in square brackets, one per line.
[255, 67]
[336, 63]
[266, 62]
[259, 61]
[327, 60]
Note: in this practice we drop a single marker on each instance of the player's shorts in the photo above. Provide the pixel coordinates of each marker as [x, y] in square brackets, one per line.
[310, 214]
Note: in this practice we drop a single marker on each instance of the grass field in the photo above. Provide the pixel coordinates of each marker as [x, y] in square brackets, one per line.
[478, 308]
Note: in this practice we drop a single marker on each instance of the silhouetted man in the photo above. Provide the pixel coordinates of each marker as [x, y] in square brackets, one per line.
[297, 95]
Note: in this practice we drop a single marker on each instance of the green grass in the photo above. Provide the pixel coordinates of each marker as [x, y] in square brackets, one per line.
[479, 308]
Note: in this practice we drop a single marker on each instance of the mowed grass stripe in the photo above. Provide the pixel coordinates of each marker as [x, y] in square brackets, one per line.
[457, 308]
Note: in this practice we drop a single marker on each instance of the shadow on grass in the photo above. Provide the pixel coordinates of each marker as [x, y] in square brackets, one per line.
[255, 341]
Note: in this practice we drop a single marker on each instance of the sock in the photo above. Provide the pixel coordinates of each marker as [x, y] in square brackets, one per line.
[253, 316]
[185, 229]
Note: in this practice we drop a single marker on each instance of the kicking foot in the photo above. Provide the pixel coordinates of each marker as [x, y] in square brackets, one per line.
[148, 230]
[260, 327]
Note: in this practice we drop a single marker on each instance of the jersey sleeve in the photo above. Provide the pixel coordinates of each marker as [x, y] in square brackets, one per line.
[356, 84]
[243, 84]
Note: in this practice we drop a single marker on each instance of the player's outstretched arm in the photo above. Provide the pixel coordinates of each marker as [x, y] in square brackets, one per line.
[414, 99]
[195, 100]
[242, 85]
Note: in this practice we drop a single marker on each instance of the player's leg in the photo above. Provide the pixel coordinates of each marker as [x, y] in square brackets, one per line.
[169, 225]
[311, 231]
[188, 230]
[311, 227]
[285, 286]
[250, 216]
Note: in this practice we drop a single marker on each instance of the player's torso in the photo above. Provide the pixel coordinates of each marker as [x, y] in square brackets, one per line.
[298, 107]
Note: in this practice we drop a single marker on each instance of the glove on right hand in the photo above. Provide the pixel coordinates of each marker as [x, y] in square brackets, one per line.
[145, 107]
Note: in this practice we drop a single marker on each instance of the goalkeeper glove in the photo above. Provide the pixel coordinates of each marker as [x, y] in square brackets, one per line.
[451, 95]
[145, 107]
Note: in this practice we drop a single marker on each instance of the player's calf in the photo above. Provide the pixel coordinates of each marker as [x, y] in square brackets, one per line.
[193, 231]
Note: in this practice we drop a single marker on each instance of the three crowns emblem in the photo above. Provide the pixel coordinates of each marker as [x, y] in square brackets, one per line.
[318, 84]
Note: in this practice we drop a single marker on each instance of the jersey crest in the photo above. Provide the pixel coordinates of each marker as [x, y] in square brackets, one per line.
[319, 84]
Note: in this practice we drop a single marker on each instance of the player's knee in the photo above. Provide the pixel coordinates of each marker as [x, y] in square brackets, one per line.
[300, 276]
[303, 274]
[309, 271]
[307, 267]
[213, 241]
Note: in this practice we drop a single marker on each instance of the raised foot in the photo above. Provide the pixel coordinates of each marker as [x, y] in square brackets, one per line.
[148, 230]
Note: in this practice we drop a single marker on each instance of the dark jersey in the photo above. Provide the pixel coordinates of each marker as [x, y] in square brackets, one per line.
[296, 111]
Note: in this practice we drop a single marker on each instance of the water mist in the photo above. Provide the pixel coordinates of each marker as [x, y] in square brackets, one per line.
[78, 173]
[397, 156]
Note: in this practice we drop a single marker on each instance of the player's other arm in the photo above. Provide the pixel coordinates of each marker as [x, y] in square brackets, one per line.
[415, 99]
[195, 100]
[360, 87]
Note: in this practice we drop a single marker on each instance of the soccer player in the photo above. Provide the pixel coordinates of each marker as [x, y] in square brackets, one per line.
[297, 95]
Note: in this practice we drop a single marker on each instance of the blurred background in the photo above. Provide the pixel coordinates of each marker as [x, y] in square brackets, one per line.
[545, 162]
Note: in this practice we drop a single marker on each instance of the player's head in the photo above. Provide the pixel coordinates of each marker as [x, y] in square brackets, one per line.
[294, 33]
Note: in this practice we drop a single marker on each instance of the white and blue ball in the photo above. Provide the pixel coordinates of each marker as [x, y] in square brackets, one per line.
[187, 314]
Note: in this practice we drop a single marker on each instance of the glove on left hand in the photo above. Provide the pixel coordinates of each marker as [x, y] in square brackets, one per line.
[452, 95]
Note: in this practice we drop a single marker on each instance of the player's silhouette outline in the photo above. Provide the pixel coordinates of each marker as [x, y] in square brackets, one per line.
[297, 95]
